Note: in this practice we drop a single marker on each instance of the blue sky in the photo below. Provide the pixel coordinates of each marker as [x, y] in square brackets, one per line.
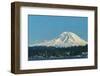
[48, 27]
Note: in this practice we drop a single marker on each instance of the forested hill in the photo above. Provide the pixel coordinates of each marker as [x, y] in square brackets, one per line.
[45, 53]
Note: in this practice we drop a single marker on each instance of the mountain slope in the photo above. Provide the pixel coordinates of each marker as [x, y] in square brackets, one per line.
[65, 39]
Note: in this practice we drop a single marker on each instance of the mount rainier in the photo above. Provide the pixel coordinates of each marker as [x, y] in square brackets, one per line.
[65, 39]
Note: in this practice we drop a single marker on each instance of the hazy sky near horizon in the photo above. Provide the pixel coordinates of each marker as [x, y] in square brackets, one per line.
[49, 27]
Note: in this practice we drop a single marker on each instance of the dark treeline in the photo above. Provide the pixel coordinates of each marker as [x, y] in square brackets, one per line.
[44, 52]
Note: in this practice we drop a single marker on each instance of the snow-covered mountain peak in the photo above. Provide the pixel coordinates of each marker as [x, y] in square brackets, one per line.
[65, 33]
[65, 39]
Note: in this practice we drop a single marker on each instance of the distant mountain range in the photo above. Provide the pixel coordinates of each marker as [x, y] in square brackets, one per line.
[65, 39]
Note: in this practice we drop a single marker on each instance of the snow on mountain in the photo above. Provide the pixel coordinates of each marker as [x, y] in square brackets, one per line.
[65, 39]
